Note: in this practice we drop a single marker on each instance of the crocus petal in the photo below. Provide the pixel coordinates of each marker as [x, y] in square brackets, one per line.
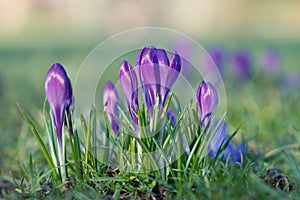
[110, 99]
[148, 70]
[56, 88]
[207, 98]
[232, 150]
[128, 80]
[172, 75]
[157, 74]
[219, 137]
[172, 116]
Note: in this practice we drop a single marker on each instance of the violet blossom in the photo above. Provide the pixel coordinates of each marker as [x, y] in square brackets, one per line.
[232, 150]
[57, 88]
[129, 84]
[207, 98]
[110, 99]
[157, 74]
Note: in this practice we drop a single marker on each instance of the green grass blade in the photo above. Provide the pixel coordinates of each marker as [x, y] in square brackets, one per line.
[39, 139]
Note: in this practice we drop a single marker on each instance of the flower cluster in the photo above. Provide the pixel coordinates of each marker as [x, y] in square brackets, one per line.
[157, 74]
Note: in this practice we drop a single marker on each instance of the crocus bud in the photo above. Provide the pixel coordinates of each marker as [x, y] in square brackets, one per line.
[242, 65]
[157, 74]
[56, 87]
[110, 99]
[207, 98]
[128, 80]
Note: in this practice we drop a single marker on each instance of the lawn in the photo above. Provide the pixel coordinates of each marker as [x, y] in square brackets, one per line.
[263, 107]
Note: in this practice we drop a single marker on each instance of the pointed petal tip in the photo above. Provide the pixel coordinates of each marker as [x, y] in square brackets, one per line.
[176, 62]
[147, 55]
[125, 67]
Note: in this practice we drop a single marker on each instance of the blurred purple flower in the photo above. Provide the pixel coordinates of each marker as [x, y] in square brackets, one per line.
[110, 99]
[207, 98]
[57, 88]
[171, 115]
[157, 74]
[184, 48]
[129, 85]
[217, 55]
[270, 59]
[232, 150]
[242, 65]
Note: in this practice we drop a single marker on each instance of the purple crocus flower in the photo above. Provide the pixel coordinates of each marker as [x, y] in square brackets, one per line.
[57, 87]
[232, 150]
[242, 65]
[207, 98]
[217, 55]
[110, 99]
[270, 60]
[157, 74]
[128, 80]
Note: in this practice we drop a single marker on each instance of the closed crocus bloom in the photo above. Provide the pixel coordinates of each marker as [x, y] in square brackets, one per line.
[110, 99]
[157, 74]
[242, 65]
[129, 84]
[207, 98]
[148, 71]
[56, 88]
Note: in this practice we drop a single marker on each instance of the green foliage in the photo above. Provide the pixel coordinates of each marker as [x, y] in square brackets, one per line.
[269, 116]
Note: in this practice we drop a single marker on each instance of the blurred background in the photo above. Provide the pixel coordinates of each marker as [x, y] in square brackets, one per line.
[35, 34]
